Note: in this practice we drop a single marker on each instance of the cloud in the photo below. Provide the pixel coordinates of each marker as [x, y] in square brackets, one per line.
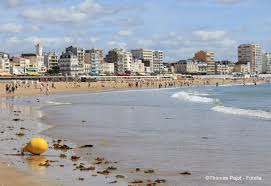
[209, 35]
[125, 33]
[11, 28]
[84, 12]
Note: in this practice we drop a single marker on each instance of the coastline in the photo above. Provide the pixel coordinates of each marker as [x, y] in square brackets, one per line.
[61, 88]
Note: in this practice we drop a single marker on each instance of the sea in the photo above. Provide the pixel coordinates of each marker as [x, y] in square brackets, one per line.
[221, 135]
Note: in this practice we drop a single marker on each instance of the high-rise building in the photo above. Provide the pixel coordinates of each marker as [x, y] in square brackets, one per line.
[78, 52]
[209, 58]
[51, 60]
[122, 60]
[69, 64]
[267, 62]
[144, 55]
[252, 54]
[158, 60]
[94, 57]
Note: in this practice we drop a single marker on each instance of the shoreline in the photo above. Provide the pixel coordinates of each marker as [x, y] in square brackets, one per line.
[14, 171]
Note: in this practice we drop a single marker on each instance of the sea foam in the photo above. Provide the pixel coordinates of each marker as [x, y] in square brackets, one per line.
[193, 97]
[243, 112]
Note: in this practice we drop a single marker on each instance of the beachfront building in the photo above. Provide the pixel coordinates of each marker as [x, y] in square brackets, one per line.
[207, 57]
[137, 67]
[51, 61]
[108, 68]
[190, 66]
[4, 64]
[158, 59]
[267, 63]
[69, 65]
[78, 52]
[36, 61]
[224, 67]
[251, 53]
[145, 55]
[242, 68]
[121, 59]
[94, 58]
[21, 66]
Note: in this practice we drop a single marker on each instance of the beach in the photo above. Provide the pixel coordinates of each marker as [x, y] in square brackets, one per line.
[113, 133]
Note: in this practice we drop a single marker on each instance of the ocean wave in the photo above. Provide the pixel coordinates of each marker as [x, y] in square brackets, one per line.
[243, 112]
[193, 97]
[57, 103]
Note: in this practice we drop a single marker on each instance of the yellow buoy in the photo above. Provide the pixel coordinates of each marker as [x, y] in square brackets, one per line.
[36, 146]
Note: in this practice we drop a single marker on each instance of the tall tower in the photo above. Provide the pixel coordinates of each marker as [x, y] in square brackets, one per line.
[39, 49]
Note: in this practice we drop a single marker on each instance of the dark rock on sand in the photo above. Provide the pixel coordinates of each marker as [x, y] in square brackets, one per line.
[111, 168]
[104, 172]
[62, 156]
[20, 134]
[75, 158]
[136, 181]
[186, 173]
[61, 147]
[149, 171]
[86, 146]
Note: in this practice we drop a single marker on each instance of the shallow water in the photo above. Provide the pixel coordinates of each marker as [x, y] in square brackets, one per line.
[208, 131]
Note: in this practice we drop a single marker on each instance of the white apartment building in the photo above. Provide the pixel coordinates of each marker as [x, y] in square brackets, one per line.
[51, 60]
[267, 62]
[158, 60]
[69, 64]
[79, 52]
[137, 67]
[4, 63]
[145, 55]
[108, 68]
[251, 53]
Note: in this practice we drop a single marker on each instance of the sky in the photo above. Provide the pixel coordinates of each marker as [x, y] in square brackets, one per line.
[178, 27]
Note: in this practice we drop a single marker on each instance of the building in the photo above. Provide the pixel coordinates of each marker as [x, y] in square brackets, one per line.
[137, 67]
[78, 52]
[251, 53]
[121, 59]
[207, 57]
[40, 58]
[4, 63]
[145, 55]
[36, 60]
[242, 68]
[267, 63]
[158, 60]
[94, 57]
[224, 67]
[21, 66]
[69, 64]
[51, 60]
[108, 68]
[191, 66]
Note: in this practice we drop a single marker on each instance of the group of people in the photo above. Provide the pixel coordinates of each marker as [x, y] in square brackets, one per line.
[11, 88]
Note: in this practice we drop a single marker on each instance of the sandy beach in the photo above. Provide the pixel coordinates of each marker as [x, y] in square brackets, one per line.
[31, 89]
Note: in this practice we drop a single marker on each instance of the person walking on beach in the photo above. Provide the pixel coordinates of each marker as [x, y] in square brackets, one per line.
[47, 92]
[41, 88]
